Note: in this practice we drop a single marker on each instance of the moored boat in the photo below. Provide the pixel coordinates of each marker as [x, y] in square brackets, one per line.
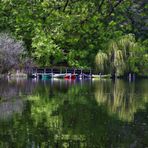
[46, 76]
[59, 75]
[85, 76]
[101, 76]
[70, 76]
[33, 75]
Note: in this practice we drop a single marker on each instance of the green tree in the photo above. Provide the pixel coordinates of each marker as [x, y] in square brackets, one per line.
[77, 28]
[124, 55]
[46, 52]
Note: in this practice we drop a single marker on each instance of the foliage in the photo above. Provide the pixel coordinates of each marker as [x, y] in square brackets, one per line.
[82, 114]
[116, 100]
[10, 52]
[73, 31]
[46, 51]
[101, 60]
[125, 55]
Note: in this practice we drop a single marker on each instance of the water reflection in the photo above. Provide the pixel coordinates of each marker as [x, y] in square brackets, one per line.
[12, 89]
[122, 98]
[7, 109]
[76, 114]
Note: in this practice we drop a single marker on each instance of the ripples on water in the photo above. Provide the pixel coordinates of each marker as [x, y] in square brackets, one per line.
[73, 114]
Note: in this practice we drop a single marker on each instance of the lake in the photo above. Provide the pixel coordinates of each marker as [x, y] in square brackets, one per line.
[73, 114]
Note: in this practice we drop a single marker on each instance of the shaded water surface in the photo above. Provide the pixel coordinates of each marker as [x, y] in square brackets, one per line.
[73, 114]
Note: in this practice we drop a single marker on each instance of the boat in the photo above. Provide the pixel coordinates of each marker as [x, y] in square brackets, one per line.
[87, 76]
[96, 76]
[84, 76]
[46, 76]
[101, 76]
[58, 75]
[34, 75]
[70, 76]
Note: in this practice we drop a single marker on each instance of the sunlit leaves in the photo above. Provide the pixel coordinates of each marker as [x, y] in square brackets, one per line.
[46, 51]
[101, 60]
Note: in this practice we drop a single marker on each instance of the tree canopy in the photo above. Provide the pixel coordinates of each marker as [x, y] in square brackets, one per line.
[124, 55]
[72, 31]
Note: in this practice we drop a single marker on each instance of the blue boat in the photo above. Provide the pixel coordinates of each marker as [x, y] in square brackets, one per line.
[46, 76]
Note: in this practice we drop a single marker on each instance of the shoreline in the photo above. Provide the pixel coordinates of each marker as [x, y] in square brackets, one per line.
[106, 76]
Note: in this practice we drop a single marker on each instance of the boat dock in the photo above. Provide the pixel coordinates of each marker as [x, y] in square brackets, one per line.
[66, 73]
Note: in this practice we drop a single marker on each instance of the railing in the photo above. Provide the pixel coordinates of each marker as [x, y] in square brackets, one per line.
[59, 70]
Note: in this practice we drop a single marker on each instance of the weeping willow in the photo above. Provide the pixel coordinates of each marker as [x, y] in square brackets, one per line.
[119, 62]
[119, 52]
[121, 56]
[101, 60]
[116, 57]
[128, 45]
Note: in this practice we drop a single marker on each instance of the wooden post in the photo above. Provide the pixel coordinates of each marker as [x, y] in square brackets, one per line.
[60, 70]
[74, 71]
[100, 74]
[82, 76]
[31, 70]
[129, 77]
[133, 77]
[70, 75]
[90, 74]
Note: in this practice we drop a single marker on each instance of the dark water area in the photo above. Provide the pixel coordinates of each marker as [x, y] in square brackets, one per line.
[73, 114]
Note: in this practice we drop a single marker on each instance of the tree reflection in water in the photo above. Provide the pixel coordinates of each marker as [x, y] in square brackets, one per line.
[122, 98]
[79, 114]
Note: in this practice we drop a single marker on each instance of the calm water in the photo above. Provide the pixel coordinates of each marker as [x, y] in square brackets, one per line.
[73, 114]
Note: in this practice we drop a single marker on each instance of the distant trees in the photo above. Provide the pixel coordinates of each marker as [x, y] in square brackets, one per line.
[10, 52]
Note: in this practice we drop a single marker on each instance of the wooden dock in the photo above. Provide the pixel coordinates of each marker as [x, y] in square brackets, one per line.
[68, 73]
